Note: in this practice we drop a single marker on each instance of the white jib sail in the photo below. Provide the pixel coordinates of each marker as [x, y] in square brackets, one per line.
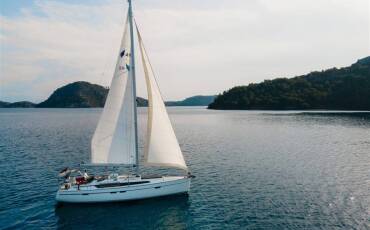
[114, 138]
[162, 147]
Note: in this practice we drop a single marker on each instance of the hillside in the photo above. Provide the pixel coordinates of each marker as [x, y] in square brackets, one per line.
[80, 95]
[4, 104]
[141, 102]
[346, 88]
[20, 104]
[193, 101]
[86, 95]
[76, 95]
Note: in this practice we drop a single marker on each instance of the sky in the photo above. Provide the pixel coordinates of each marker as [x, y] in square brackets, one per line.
[196, 47]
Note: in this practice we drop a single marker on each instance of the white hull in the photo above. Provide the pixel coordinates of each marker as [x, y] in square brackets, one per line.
[138, 189]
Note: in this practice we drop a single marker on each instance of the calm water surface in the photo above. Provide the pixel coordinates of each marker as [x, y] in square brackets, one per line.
[254, 170]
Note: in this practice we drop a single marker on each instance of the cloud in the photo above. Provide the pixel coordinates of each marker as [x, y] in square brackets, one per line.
[197, 47]
[65, 43]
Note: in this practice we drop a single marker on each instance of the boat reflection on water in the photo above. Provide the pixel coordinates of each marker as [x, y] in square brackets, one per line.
[162, 212]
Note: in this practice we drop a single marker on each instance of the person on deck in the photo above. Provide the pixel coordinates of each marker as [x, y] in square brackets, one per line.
[85, 175]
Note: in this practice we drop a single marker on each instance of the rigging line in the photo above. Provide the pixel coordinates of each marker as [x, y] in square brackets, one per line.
[147, 57]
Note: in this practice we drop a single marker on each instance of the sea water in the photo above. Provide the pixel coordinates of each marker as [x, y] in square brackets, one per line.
[254, 170]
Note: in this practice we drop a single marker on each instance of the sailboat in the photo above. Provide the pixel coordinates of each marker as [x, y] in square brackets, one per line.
[115, 141]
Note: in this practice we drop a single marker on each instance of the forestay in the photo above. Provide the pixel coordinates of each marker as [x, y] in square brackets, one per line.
[162, 147]
[114, 138]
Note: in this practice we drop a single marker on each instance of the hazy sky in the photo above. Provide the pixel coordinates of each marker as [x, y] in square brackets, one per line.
[196, 46]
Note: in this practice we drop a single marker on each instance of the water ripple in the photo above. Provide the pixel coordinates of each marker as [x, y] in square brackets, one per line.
[254, 170]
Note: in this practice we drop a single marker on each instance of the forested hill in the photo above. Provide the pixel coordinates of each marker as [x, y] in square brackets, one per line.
[76, 95]
[80, 95]
[346, 88]
[83, 94]
[19, 104]
[193, 101]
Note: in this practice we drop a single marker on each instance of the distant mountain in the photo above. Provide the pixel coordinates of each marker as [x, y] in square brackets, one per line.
[86, 95]
[141, 102]
[80, 95]
[346, 88]
[193, 101]
[4, 104]
[20, 104]
[76, 95]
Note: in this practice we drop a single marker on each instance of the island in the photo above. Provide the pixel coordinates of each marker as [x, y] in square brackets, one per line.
[345, 88]
[198, 100]
[19, 104]
[83, 94]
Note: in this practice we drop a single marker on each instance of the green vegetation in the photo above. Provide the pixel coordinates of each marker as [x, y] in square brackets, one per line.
[193, 101]
[4, 104]
[19, 104]
[76, 95]
[141, 102]
[86, 95]
[80, 95]
[337, 89]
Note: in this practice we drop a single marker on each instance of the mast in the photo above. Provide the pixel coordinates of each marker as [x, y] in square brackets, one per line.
[132, 66]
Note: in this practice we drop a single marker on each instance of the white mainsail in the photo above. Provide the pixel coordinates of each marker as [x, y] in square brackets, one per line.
[162, 147]
[114, 140]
